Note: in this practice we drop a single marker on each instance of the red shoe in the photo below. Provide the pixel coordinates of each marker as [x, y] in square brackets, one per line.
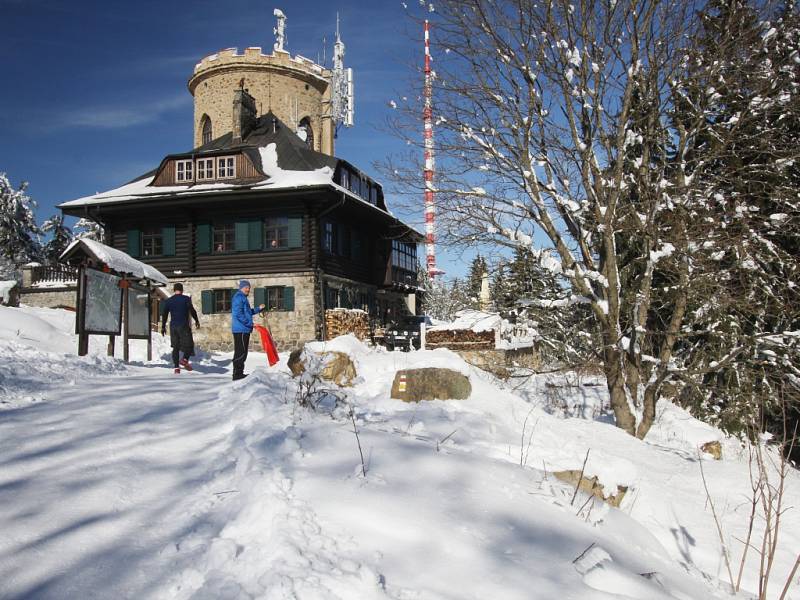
[177, 371]
[185, 364]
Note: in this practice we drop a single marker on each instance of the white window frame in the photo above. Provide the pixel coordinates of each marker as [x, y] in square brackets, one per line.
[202, 167]
[223, 166]
[187, 175]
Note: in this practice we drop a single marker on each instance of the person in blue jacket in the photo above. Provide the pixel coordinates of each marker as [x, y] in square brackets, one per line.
[179, 309]
[242, 327]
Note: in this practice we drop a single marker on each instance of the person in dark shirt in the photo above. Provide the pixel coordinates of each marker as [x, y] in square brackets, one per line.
[179, 308]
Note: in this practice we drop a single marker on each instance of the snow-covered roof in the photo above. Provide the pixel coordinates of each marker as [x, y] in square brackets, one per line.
[115, 259]
[474, 320]
[277, 179]
[275, 150]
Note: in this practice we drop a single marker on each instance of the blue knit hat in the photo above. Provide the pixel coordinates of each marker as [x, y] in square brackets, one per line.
[244, 283]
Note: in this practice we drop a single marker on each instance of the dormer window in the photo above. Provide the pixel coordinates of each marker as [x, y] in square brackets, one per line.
[205, 169]
[184, 171]
[226, 167]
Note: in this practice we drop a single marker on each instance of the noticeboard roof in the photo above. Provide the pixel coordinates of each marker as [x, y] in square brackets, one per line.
[113, 258]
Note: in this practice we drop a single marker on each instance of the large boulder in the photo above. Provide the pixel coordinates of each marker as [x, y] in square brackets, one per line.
[590, 485]
[333, 366]
[413, 385]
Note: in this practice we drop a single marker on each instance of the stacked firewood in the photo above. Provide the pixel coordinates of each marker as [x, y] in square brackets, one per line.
[341, 321]
[460, 339]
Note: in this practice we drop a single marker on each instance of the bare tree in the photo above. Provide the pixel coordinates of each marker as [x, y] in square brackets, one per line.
[562, 126]
[552, 124]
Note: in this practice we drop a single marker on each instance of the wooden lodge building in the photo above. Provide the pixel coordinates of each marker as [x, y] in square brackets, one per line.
[310, 231]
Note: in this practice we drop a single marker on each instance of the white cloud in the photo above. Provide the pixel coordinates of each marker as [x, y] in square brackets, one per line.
[116, 117]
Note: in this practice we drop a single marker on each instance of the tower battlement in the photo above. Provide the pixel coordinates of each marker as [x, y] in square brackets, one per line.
[255, 56]
[295, 88]
[308, 97]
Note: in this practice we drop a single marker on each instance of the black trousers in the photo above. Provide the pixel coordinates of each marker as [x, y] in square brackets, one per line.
[241, 344]
[182, 341]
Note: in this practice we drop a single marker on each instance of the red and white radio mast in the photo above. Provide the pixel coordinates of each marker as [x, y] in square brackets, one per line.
[430, 230]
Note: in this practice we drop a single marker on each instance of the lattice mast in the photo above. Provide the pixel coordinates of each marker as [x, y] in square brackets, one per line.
[427, 115]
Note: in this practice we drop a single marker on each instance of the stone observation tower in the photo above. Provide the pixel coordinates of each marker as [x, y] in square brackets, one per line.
[310, 98]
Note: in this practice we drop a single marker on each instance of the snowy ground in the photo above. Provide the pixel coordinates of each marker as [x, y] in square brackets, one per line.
[131, 482]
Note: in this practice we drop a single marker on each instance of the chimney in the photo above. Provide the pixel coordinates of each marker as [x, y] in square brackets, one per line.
[244, 114]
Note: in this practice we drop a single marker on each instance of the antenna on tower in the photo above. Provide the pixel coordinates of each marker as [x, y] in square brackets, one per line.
[342, 95]
[427, 117]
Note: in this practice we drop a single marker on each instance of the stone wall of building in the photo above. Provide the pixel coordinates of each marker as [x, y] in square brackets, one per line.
[292, 87]
[290, 330]
[63, 297]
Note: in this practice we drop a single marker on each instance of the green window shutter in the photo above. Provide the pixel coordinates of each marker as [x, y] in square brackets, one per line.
[355, 245]
[207, 301]
[168, 237]
[134, 242]
[255, 235]
[204, 238]
[241, 229]
[260, 296]
[295, 232]
[288, 298]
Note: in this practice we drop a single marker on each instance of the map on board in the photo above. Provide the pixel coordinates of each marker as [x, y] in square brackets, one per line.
[138, 313]
[103, 303]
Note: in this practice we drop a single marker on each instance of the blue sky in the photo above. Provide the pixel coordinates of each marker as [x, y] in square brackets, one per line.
[94, 93]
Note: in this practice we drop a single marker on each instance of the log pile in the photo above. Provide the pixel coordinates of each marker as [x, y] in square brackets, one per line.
[341, 321]
[460, 339]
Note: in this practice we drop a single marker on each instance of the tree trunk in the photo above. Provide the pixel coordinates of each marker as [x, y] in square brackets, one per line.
[649, 413]
[615, 380]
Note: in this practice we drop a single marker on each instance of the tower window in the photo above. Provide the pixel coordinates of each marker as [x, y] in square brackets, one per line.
[306, 132]
[207, 130]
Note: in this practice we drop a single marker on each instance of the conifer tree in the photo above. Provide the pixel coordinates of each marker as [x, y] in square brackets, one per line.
[475, 280]
[89, 229]
[19, 241]
[742, 83]
[60, 238]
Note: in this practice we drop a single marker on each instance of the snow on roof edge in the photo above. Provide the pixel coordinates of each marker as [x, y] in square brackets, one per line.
[117, 260]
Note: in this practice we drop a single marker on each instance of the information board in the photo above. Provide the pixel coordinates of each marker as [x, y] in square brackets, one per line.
[103, 304]
[138, 313]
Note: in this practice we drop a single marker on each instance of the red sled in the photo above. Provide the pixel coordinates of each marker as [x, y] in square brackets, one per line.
[268, 344]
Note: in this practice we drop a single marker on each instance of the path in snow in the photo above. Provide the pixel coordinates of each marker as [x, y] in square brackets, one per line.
[111, 469]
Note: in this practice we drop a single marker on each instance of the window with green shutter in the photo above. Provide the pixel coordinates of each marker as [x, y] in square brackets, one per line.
[207, 301]
[242, 235]
[168, 240]
[259, 296]
[278, 298]
[134, 242]
[295, 232]
[203, 238]
[216, 301]
[276, 233]
[255, 234]
[288, 298]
